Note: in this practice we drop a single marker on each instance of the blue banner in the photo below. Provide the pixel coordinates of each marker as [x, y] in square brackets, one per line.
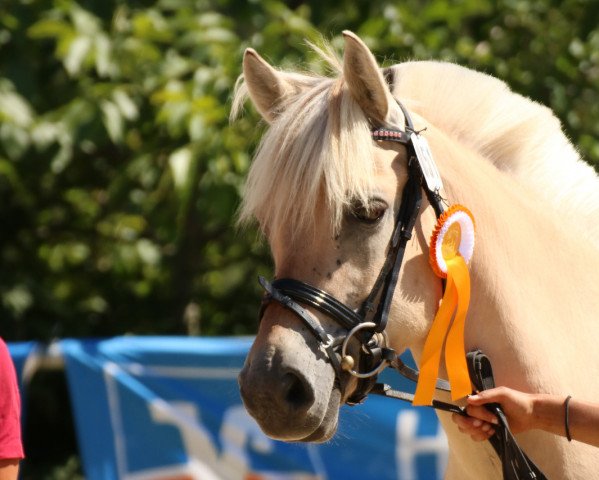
[169, 409]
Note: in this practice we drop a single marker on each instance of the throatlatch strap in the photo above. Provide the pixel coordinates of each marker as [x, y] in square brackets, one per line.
[515, 463]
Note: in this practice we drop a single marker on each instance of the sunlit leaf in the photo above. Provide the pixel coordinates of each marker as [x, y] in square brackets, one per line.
[76, 55]
[14, 108]
[18, 299]
[113, 120]
[15, 140]
[120, 173]
[179, 162]
[105, 65]
[125, 104]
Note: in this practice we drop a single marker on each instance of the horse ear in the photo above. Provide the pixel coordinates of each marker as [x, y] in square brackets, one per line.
[267, 86]
[367, 84]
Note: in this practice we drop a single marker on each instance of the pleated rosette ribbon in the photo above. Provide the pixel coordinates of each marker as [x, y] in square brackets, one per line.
[452, 245]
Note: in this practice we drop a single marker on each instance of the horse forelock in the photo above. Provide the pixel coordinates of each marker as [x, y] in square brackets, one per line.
[314, 159]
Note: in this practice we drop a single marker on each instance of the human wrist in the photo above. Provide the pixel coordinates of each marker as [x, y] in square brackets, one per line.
[548, 413]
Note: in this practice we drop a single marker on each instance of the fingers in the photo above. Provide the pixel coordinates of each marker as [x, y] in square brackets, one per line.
[488, 396]
[476, 428]
[481, 413]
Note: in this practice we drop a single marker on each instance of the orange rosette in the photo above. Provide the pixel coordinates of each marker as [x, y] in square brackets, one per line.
[452, 246]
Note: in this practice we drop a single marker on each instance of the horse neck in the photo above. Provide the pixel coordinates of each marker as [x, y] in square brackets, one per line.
[527, 271]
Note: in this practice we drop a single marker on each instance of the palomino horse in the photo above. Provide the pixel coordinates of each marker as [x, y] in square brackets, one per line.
[325, 195]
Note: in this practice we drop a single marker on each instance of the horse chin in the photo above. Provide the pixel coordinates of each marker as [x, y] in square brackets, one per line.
[328, 427]
[325, 425]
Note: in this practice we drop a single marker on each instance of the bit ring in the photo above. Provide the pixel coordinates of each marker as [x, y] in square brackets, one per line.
[347, 361]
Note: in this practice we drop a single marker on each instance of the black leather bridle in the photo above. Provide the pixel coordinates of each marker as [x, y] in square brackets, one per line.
[369, 322]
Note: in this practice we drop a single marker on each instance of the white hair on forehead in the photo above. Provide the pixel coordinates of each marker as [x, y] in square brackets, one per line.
[318, 151]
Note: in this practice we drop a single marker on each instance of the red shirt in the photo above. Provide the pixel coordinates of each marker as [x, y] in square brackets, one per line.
[11, 445]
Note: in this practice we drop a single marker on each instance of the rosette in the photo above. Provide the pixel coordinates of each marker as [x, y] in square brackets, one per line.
[451, 248]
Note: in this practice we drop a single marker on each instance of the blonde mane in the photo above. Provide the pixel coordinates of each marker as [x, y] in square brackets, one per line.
[516, 134]
[319, 149]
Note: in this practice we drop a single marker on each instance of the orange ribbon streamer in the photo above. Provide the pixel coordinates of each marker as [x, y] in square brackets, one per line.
[454, 305]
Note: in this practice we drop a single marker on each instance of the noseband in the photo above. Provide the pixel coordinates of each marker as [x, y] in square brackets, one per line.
[368, 324]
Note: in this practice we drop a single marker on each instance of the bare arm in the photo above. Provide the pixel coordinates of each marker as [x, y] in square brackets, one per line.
[9, 469]
[526, 411]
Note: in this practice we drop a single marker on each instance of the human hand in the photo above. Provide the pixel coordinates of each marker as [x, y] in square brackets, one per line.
[517, 406]
[479, 424]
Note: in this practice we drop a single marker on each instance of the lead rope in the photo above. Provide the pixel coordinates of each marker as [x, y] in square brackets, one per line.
[515, 463]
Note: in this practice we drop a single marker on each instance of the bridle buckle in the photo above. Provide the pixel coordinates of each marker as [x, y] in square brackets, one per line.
[348, 362]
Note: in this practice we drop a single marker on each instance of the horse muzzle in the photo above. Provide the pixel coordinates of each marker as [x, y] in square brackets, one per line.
[290, 391]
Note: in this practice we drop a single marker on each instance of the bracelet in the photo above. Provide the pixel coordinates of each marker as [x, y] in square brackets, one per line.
[567, 417]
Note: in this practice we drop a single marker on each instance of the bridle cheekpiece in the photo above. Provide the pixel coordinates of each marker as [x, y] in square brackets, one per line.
[367, 324]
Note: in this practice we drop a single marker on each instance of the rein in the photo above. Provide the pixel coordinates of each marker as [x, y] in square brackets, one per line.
[368, 324]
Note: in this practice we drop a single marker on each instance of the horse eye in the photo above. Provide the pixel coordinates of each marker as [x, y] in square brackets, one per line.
[371, 213]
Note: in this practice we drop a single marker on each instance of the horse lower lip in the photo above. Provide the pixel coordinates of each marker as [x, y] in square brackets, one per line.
[326, 430]
[279, 427]
[323, 432]
[320, 435]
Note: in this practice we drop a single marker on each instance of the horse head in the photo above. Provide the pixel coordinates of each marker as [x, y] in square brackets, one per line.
[327, 197]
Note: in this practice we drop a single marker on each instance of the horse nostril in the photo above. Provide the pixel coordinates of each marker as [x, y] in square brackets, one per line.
[296, 391]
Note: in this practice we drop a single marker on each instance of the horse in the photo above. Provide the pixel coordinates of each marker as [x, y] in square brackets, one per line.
[325, 195]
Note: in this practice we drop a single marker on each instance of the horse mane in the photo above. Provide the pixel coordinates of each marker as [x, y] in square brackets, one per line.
[519, 136]
[319, 148]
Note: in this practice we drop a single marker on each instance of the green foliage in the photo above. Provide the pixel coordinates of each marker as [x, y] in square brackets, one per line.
[120, 173]
[71, 470]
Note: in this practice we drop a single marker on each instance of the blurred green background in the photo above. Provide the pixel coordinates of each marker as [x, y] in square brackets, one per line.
[120, 173]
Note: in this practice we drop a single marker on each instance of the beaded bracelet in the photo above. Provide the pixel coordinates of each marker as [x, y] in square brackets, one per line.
[567, 418]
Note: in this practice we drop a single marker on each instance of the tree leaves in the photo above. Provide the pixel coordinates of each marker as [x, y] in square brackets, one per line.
[120, 173]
